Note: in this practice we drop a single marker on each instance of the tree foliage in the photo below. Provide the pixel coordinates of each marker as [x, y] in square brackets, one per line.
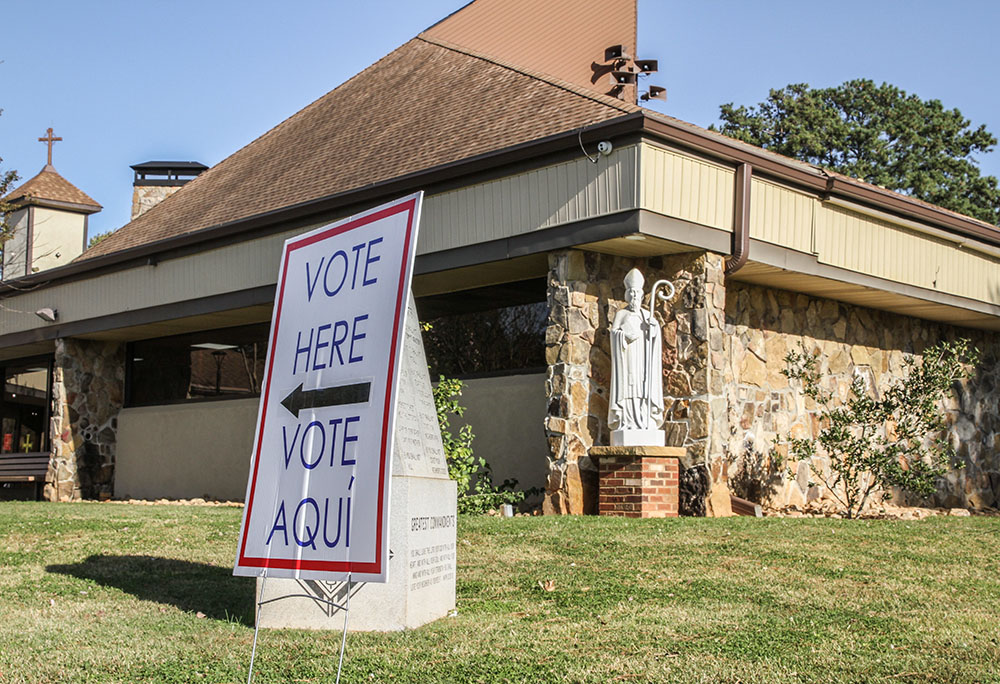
[878, 134]
[7, 179]
[96, 239]
[887, 437]
[484, 341]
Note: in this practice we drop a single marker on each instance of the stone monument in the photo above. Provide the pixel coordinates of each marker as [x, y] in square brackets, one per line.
[635, 411]
[422, 518]
[639, 475]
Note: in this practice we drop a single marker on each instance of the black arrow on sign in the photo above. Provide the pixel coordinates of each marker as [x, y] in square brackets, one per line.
[328, 396]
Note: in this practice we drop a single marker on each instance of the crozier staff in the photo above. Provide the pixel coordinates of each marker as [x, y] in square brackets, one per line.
[636, 364]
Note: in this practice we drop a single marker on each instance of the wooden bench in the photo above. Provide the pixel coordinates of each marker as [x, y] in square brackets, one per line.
[30, 467]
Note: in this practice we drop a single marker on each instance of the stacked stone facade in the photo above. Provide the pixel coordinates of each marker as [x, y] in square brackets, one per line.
[763, 325]
[726, 399]
[145, 197]
[727, 402]
[586, 290]
[87, 393]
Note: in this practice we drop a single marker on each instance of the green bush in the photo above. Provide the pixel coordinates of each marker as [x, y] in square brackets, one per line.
[476, 491]
[877, 440]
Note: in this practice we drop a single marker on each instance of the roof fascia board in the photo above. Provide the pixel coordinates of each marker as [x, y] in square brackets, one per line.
[160, 182]
[818, 181]
[685, 232]
[567, 235]
[715, 146]
[886, 200]
[29, 201]
[807, 264]
[918, 227]
[258, 296]
[557, 237]
[306, 212]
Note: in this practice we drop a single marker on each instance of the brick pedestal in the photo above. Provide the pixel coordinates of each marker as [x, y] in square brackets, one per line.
[638, 482]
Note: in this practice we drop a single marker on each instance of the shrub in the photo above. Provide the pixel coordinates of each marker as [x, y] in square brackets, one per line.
[876, 440]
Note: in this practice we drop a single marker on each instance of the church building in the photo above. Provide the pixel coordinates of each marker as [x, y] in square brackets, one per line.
[546, 180]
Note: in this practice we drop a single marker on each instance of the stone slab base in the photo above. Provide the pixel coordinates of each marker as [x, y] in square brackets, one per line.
[421, 585]
[638, 438]
[638, 481]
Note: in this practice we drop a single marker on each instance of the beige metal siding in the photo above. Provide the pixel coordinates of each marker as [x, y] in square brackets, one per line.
[685, 187]
[781, 216]
[232, 268]
[879, 248]
[660, 180]
[533, 200]
[537, 199]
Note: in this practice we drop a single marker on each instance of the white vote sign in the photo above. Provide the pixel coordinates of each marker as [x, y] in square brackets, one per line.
[318, 492]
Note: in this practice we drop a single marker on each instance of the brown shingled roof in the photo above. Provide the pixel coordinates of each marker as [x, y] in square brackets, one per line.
[425, 104]
[48, 185]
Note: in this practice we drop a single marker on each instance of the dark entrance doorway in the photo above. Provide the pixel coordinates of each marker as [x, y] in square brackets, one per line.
[25, 403]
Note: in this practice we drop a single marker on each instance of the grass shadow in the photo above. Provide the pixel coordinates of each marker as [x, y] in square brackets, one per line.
[190, 586]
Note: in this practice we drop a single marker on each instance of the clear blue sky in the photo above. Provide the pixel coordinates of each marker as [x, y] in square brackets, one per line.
[125, 82]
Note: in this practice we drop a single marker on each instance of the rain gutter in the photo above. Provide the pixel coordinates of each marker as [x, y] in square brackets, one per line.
[741, 219]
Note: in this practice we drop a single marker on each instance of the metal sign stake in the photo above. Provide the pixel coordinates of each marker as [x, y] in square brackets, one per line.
[346, 607]
[256, 626]
[343, 637]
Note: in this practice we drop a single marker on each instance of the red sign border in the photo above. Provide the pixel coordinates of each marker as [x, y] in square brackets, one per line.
[376, 567]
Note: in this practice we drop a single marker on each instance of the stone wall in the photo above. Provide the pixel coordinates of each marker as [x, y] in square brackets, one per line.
[585, 292]
[145, 197]
[762, 325]
[88, 383]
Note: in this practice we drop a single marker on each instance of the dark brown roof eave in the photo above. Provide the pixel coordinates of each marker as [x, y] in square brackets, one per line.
[148, 252]
[710, 144]
[76, 207]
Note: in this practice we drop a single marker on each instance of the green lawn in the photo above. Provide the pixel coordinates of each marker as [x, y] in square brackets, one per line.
[112, 593]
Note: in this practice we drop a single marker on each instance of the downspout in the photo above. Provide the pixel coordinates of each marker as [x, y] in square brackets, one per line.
[741, 220]
[737, 259]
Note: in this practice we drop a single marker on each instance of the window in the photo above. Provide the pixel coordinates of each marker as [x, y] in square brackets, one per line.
[214, 364]
[487, 331]
[24, 408]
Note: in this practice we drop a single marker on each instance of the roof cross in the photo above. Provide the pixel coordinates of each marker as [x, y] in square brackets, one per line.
[49, 139]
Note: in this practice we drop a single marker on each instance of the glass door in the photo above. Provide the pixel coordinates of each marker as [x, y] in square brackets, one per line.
[24, 406]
